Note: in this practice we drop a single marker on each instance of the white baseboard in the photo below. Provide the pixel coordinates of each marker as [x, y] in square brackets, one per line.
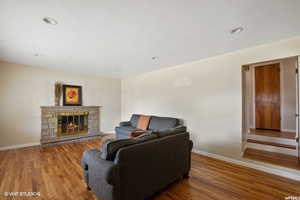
[288, 130]
[110, 132]
[19, 146]
[285, 172]
[31, 144]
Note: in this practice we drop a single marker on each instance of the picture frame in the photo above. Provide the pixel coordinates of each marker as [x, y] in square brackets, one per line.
[72, 95]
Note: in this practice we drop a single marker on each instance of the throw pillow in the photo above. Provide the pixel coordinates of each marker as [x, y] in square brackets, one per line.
[143, 122]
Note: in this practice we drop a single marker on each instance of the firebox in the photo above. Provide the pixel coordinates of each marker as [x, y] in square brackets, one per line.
[72, 123]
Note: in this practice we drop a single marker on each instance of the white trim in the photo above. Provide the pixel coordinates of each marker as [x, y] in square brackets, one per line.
[297, 105]
[19, 146]
[288, 130]
[253, 99]
[285, 172]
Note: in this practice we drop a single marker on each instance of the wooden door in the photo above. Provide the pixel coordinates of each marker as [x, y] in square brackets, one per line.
[267, 97]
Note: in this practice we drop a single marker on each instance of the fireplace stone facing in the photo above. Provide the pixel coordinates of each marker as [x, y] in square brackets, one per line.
[51, 119]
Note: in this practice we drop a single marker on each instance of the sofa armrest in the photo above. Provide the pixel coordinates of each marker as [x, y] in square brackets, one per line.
[104, 143]
[97, 168]
[191, 145]
[125, 123]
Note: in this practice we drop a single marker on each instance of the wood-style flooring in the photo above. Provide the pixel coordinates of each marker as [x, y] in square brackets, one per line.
[271, 133]
[275, 158]
[55, 172]
[287, 146]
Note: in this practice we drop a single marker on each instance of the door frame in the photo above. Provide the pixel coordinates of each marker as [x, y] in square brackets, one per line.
[297, 106]
[245, 113]
[252, 70]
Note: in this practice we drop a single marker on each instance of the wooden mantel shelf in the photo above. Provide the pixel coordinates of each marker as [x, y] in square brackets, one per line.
[57, 107]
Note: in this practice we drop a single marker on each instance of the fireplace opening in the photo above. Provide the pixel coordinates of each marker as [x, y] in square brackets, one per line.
[72, 123]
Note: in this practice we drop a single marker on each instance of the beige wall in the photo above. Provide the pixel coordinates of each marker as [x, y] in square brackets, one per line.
[24, 89]
[207, 94]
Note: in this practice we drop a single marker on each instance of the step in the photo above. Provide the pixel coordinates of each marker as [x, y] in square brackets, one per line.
[271, 148]
[270, 133]
[279, 140]
[272, 158]
[275, 144]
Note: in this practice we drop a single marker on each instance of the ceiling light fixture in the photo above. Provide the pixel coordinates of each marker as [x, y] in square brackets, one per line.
[155, 58]
[237, 30]
[50, 20]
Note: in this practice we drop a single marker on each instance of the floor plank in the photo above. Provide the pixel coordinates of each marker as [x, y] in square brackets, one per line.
[55, 172]
[271, 133]
[273, 158]
[287, 146]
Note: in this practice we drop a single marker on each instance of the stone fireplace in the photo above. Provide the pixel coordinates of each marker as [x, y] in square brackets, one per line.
[62, 124]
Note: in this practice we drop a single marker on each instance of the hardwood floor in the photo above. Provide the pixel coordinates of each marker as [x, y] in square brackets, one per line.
[271, 133]
[55, 172]
[272, 158]
[287, 146]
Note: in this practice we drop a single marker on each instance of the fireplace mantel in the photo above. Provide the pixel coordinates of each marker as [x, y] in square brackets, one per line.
[68, 107]
[50, 123]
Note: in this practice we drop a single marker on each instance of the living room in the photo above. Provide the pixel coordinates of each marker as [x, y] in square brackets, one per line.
[135, 100]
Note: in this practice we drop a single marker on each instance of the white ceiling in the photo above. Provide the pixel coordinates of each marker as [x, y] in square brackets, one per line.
[118, 38]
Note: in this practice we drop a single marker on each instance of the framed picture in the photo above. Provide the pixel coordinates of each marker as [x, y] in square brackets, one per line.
[72, 95]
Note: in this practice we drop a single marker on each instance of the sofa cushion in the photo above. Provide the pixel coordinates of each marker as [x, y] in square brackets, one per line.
[111, 147]
[143, 122]
[126, 130]
[170, 131]
[134, 120]
[158, 123]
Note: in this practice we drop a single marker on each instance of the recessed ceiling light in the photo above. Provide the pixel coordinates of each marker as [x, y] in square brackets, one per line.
[155, 58]
[237, 30]
[50, 20]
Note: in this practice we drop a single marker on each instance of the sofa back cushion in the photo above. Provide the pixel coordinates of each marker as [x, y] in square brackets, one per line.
[143, 122]
[111, 147]
[134, 120]
[158, 123]
[170, 131]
